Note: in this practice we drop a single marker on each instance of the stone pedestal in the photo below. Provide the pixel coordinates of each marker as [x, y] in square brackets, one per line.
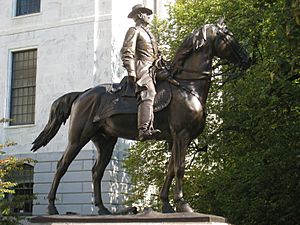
[139, 219]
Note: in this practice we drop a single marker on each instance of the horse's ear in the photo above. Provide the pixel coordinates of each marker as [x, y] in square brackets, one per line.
[221, 21]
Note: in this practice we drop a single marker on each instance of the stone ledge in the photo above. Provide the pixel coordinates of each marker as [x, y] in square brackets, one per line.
[145, 218]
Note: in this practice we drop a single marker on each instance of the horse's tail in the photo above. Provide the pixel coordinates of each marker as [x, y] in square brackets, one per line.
[59, 113]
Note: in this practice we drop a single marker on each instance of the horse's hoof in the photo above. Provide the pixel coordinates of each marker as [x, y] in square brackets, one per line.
[104, 211]
[127, 211]
[167, 208]
[184, 207]
[52, 210]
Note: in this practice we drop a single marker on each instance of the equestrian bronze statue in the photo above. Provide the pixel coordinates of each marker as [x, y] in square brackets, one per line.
[105, 113]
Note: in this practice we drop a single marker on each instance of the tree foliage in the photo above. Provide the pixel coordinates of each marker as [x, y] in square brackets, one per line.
[9, 165]
[250, 171]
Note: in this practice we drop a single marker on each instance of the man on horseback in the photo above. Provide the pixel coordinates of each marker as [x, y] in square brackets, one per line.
[138, 53]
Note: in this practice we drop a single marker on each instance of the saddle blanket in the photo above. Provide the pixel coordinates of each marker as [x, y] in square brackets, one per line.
[116, 101]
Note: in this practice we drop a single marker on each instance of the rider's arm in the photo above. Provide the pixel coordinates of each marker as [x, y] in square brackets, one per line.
[128, 51]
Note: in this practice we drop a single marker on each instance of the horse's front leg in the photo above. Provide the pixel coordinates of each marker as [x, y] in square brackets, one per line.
[180, 145]
[164, 194]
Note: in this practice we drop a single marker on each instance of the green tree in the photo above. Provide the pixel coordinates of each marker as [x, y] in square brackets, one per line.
[9, 165]
[250, 171]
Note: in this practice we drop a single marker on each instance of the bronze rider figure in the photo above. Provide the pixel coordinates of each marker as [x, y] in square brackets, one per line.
[138, 53]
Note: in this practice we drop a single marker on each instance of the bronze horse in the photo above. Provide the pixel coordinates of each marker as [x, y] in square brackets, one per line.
[180, 122]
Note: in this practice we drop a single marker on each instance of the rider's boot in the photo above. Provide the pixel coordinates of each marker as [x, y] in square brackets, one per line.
[145, 121]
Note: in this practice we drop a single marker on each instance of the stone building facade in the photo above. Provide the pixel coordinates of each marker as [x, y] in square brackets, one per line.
[61, 46]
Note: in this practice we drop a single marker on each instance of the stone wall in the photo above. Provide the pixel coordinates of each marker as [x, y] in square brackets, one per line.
[63, 36]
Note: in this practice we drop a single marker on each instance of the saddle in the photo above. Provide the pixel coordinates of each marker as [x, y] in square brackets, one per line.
[119, 98]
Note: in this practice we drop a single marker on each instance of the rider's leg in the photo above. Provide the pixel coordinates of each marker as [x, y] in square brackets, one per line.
[146, 115]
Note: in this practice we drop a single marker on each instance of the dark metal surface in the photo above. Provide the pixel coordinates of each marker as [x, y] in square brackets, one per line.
[180, 122]
[138, 53]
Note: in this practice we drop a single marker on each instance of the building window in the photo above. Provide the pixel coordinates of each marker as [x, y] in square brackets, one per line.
[22, 199]
[27, 7]
[22, 110]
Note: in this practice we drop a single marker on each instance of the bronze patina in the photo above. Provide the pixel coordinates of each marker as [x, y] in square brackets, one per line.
[180, 121]
[138, 53]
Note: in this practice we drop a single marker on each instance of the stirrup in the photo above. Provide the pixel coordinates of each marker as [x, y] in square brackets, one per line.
[148, 134]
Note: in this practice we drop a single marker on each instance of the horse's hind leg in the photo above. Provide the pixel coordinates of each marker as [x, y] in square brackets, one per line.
[105, 146]
[71, 152]
[81, 130]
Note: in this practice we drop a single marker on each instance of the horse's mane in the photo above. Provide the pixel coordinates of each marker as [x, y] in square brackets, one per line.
[192, 42]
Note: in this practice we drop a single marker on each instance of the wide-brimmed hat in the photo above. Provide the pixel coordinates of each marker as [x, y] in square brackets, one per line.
[139, 8]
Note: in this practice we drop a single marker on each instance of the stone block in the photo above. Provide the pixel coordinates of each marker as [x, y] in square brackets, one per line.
[79, 198]
[39, 188]
[42, 167]
[108, 175]
[123, 177]
[87, 187]
[43, 177]
[76, 165]
[70, 187]
[124, 187]
[48, 157]
[88, 164]
[39, 210]
[86, 155]
[77, 176]
[106, 186]
[89, 209]
[41, 199]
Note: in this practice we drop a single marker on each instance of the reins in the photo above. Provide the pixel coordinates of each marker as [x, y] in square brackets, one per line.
[205, 76]
[202, 75]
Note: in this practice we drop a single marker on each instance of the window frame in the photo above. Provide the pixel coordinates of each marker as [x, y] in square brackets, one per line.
[9, 100]
[16, 9]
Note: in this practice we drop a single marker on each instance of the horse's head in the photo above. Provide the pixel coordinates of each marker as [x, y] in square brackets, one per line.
[203, 44]
[225, 46]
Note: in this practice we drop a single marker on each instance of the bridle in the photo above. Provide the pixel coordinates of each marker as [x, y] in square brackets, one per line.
[237, 50]
[226, 36]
